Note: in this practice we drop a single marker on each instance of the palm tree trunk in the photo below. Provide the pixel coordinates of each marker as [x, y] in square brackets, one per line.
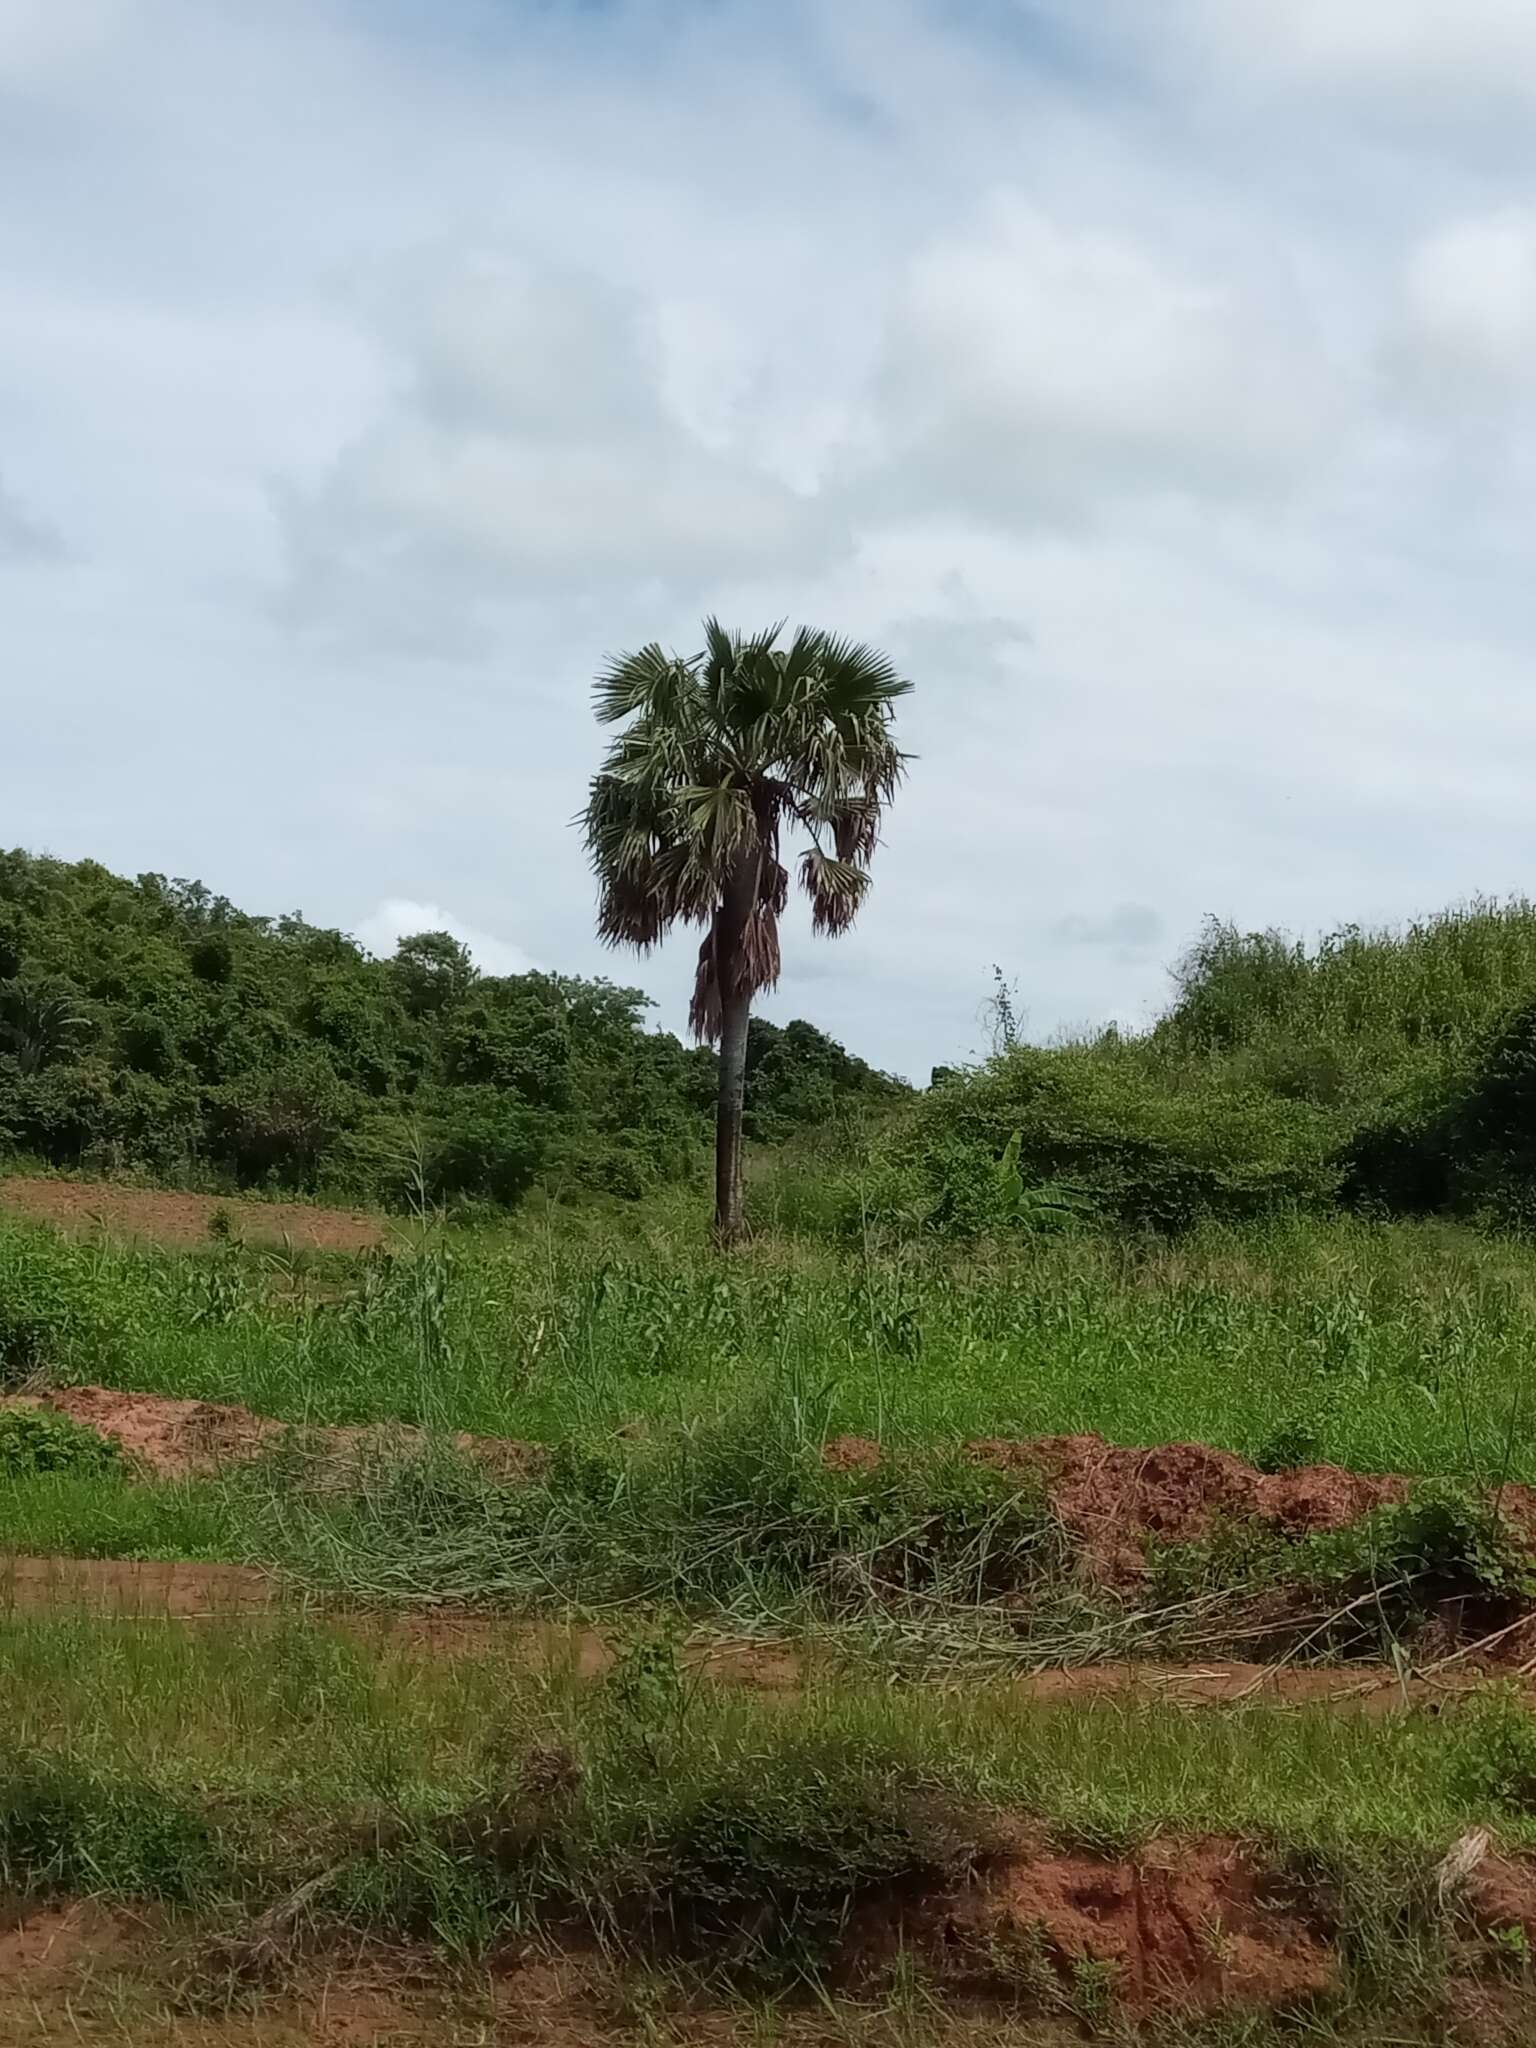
[730, 1223]
[735, 1006]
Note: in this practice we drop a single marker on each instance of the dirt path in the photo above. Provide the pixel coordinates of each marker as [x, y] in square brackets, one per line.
[134, 1591]
[101, 1207]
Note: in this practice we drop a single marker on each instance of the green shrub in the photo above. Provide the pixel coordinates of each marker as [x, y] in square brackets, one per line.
[41, 1305]
[65, 1828]
[1288, 1446]
[33, 1440]
[1443, 1543]
[764, 1880]
[1037, 1136]
[1494, 1756]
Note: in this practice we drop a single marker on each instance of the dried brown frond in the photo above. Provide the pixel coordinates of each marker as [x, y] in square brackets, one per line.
[836, 889]
[759, 952]
[704, 1014]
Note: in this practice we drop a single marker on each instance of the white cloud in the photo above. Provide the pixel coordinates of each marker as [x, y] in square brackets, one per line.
[1470, 300]
[533, 446]
[1034, 367]
[398, 918]
[1452, 50]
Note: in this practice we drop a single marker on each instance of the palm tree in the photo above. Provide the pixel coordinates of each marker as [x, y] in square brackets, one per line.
[717, 756]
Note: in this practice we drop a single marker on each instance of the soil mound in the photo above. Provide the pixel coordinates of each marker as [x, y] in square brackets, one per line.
[1501, 1894]
[167, 1437]
[1112, 1498]
[168, 1218]
[50, 1943]
[851, 1454]
[173, 1439]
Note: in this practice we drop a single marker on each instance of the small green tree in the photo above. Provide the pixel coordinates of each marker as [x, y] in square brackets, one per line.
[719, 752]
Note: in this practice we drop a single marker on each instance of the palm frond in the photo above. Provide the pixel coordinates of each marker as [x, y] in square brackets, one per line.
[714, 752]
[648, 680]
[704, 1011]
[721, 817]
[854, 678]
[761, 961]
[718, 661]
[836, 888]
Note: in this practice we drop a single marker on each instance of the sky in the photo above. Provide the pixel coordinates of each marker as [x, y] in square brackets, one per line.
[1154, 379]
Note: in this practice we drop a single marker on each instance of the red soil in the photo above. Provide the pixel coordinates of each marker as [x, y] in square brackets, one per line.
[48, 1949]
[1112, 1498]
[172, 1439]
[166, 1218]
[1194, 1925]
[1109, 1498]
[1197, 1924]
[1501, 1894]
[851, 1454]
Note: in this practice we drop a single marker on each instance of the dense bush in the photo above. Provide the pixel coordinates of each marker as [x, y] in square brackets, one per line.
[151, 1024]
[1395, 1071]
[798, 1078]
[1037, 1137]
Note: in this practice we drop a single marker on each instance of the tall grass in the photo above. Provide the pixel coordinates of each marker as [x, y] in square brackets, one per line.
[284, 1787]
[1380, 1346]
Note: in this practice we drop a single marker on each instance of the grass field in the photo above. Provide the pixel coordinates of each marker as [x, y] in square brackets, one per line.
[1382, 1347]
[282, 1775]
[735, 1848]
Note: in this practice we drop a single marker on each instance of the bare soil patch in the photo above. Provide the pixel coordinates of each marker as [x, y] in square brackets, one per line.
[50, 1943]
[172, 1439]
[163, 1217]
[133, 1588]
[1201, 1925]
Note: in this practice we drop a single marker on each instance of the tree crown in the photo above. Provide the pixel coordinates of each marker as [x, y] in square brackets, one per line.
[717, 754]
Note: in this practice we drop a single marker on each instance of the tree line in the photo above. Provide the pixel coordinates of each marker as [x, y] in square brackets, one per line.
[150, 1024]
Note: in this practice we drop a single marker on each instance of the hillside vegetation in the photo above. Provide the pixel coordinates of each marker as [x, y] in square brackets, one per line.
[150, 1024]
[1391, 1072]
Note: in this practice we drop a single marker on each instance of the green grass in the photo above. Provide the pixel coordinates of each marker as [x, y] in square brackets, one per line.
[925, 1562]
[460, 1801]
[282, 1723]
[686, 1401]
[1381, 1346]
[105, 1515]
